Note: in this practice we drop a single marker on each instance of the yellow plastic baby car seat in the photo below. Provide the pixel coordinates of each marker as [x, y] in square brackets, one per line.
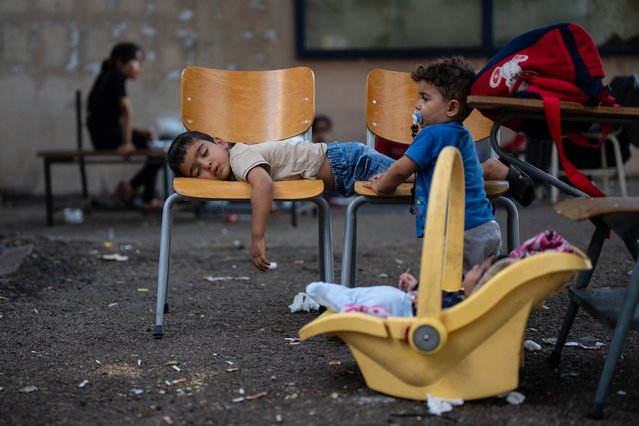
[472, 350]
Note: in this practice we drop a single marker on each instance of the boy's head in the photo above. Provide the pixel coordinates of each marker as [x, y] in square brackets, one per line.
[443, 87]
[198, 155]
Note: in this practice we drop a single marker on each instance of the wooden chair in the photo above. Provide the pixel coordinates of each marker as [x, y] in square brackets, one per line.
[605, 171]
[472, 350]
[390, 100]
[249, 107]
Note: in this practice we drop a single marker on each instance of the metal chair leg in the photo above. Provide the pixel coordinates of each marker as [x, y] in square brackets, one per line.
[512, 221]
[626, 315]
[350, 241]
[163, 267]
[326, 242]
[48, 191]
[594, 250]
[349, 253]
[85, 189]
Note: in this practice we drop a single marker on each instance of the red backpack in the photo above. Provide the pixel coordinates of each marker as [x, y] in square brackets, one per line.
[556, 63]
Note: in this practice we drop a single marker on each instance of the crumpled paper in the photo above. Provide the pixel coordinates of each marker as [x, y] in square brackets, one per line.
[303, 302]
[438, 406]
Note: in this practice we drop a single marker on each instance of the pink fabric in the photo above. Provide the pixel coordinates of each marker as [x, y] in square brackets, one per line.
[376, 310]
[548, 240]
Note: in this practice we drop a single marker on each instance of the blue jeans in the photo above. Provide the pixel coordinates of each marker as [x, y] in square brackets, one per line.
[353, 161]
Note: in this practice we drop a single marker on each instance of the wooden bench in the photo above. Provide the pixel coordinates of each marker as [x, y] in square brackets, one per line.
[83, 157]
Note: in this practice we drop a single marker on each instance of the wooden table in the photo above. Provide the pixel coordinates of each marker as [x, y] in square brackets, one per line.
[533, 109]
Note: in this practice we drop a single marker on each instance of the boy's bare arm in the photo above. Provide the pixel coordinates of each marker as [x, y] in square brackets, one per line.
[399, 172]
[261, 202]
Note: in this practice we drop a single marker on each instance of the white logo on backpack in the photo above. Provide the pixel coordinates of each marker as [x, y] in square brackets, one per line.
[509, 72]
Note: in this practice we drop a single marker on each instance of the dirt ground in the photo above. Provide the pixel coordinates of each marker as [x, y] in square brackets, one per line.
[77, 345]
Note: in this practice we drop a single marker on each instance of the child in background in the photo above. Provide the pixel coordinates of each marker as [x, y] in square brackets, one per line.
[322, 129]
[443, 87]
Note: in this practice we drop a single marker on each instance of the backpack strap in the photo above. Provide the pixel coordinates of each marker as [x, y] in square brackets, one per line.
[553, 118]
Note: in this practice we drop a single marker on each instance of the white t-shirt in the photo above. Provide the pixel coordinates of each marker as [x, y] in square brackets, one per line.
[284, 160]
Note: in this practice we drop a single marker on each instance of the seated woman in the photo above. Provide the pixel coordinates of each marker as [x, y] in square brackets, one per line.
[386, 300]
[110, 122]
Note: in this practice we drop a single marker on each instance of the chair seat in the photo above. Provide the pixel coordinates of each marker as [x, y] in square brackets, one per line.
[403, 190]
[495, 188]
[585, 208]
[234, 190]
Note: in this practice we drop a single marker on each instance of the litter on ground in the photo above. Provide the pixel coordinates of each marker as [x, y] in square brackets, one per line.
[303, 302]
[438, 406]
[116, 257]
[515, 398]
[532, 346]
[211, 278]
[594, 347]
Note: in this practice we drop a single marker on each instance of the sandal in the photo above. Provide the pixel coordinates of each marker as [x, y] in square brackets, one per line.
[521, 186]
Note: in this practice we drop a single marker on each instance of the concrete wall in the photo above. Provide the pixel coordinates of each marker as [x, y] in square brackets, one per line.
[50, 48]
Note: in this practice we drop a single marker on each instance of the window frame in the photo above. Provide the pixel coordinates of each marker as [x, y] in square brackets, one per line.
[487, 47]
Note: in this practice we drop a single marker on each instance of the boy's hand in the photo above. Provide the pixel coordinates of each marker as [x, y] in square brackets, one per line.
[258, 254]
[407, 282]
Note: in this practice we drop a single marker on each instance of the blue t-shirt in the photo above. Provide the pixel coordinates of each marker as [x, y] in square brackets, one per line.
[424, 151]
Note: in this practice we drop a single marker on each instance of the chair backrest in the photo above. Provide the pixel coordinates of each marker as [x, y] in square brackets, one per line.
[478, 125]
[390, 101]
[248, 106]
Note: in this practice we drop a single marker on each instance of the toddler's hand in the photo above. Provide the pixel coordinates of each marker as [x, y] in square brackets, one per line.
[407, 282]
[371, 181]
[258, 254]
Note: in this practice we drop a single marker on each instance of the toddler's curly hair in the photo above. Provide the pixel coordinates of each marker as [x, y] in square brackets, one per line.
[452, 76]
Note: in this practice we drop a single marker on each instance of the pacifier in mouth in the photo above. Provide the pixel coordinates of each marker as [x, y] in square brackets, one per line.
[418, 120]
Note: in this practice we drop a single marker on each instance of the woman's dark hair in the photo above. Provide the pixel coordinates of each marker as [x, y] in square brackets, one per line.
[179, 146]
[123, 52]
